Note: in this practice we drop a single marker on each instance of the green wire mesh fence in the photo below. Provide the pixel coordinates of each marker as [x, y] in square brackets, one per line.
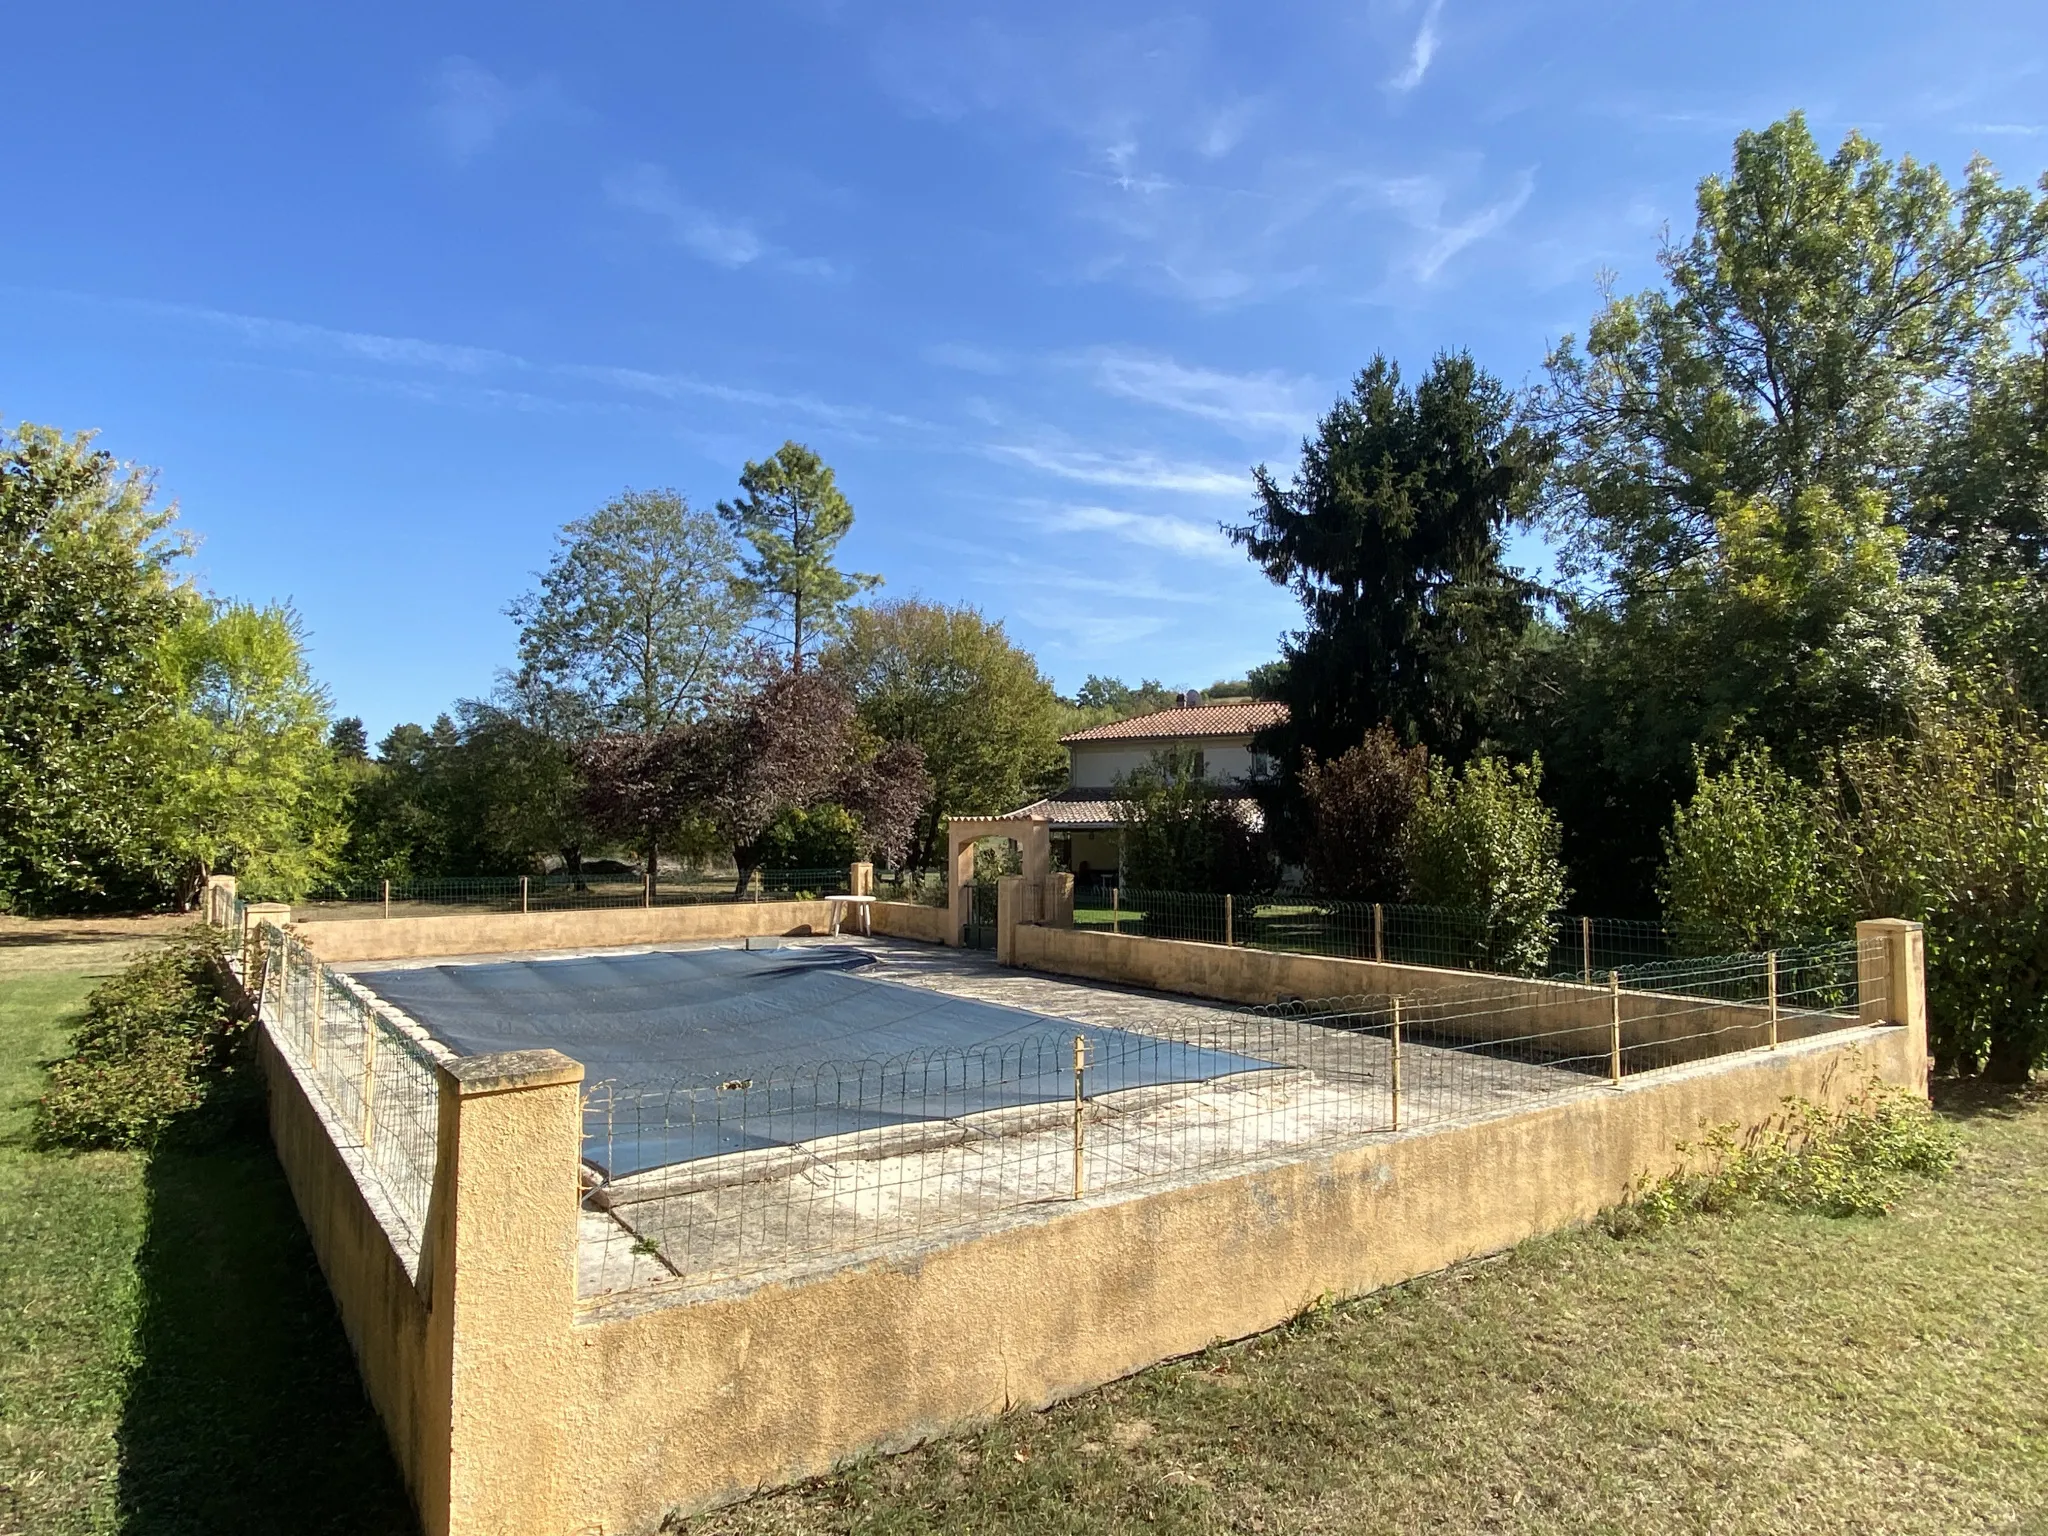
[558, 892]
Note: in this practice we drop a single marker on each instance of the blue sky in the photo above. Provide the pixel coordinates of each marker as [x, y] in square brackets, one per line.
[390, 293]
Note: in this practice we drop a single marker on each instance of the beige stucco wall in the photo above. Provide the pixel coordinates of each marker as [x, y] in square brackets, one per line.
[386, 1315]
[1578, 1018]
[912, 920]
[689, 1405]
[483, 933]
[1225, 759]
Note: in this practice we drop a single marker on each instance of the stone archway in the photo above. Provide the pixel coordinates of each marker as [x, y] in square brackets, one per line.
[1033, 837]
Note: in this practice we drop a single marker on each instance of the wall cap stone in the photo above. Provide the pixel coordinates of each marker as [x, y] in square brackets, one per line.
[504, 1071]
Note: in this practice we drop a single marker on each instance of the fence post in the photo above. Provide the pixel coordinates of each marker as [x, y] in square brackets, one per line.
[522, 896]
[647, 887]
[319, 1013]
[1379, 932]
[1771, 986]
[387, 900]
[1586, 949]
[1226, 921]
[369, 1093]
[1614, 1030]
[1394, 1062]
[1080, 1069]
[1115, 909]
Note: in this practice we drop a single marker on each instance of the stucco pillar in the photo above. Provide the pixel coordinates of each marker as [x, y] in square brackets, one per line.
[1891, 975]
[1059, 901]
[1011, 893]
[860, 879]
[503, 1289]
[959, 880]
[220, 899]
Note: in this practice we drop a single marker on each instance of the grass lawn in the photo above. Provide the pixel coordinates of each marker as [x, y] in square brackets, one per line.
[169, 1358]
[169, 1361]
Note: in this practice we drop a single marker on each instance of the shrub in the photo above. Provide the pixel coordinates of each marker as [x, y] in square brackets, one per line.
[1852, 1161]
[1182, 833]
[1747, 862]
[1951, 828]
[157, 1046]
[1483, 841]
[1358, 809]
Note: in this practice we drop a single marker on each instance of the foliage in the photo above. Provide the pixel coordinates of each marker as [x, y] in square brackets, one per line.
[1482, 840]
[1803, 337]
[1182, 833]
[1950, 827]
[87, 595]
[1105, 700]
[1358, 807]
[1390, 535]
[637, 622]
[157, 1044]
[823, 837]
[348, 741]
[954, 684]
[792, 517]
[242, 780]
[792, 744]
[1750, 862]
[1852, 1161]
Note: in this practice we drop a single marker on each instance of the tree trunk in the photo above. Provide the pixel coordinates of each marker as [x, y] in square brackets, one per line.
[748, 860]
[572, 865]
[2011, 1061]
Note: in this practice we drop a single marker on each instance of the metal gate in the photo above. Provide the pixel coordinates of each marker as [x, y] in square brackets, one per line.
[979, 932]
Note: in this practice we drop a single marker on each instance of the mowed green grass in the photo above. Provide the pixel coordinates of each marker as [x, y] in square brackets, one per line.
[1769, 1372]
[169, 1361]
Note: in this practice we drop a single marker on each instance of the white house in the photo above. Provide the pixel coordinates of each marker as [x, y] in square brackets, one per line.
[1084, 830]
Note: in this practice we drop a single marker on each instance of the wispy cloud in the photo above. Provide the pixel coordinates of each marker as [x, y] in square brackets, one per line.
[469, 108]
[1422, 202]
[1174, 535]
[1130, 471]
[724, 242]
[953, 354]
[489, 375]
[1420, 52]
[1248, 404]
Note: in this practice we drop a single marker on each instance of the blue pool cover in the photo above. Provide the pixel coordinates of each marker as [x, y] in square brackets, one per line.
[694, 1053]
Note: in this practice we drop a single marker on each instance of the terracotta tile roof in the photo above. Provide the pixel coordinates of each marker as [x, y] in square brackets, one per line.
[1237, 717]
[1083, 809]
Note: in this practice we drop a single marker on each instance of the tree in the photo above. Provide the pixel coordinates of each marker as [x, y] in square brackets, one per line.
[1750, 861]
[951, 681]
[1482, 841]
[242, 779]
[1950, 826]
[1180, 834]
[1390, 535]
[637, 621]
[1358, 807]
[88, 593]
[1804, 336]
[347, 739]
[793, 517]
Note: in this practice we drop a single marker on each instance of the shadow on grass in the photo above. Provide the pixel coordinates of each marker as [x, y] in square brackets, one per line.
[1971, 1098]
[244, 1412]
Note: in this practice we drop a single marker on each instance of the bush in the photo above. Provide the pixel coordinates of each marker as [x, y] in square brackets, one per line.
[1854, 1161]
[1747, 862]
[1358, 809]
[1182, 833]
[1484, 842]
[157, 1046]
[1951, 828]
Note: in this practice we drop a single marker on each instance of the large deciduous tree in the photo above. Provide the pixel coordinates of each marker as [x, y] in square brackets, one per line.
[953, 683]
[792, 516]
[637, 622]
[1390, 535]
[88, 593]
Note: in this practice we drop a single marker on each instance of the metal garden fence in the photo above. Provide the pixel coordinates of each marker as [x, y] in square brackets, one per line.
[711, 1180]
[559, 893]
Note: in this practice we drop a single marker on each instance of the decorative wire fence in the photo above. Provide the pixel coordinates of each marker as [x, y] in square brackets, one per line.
[1399, 933]
[372, 1073]
[699, 1182]
[926, 888]
[557, 892]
